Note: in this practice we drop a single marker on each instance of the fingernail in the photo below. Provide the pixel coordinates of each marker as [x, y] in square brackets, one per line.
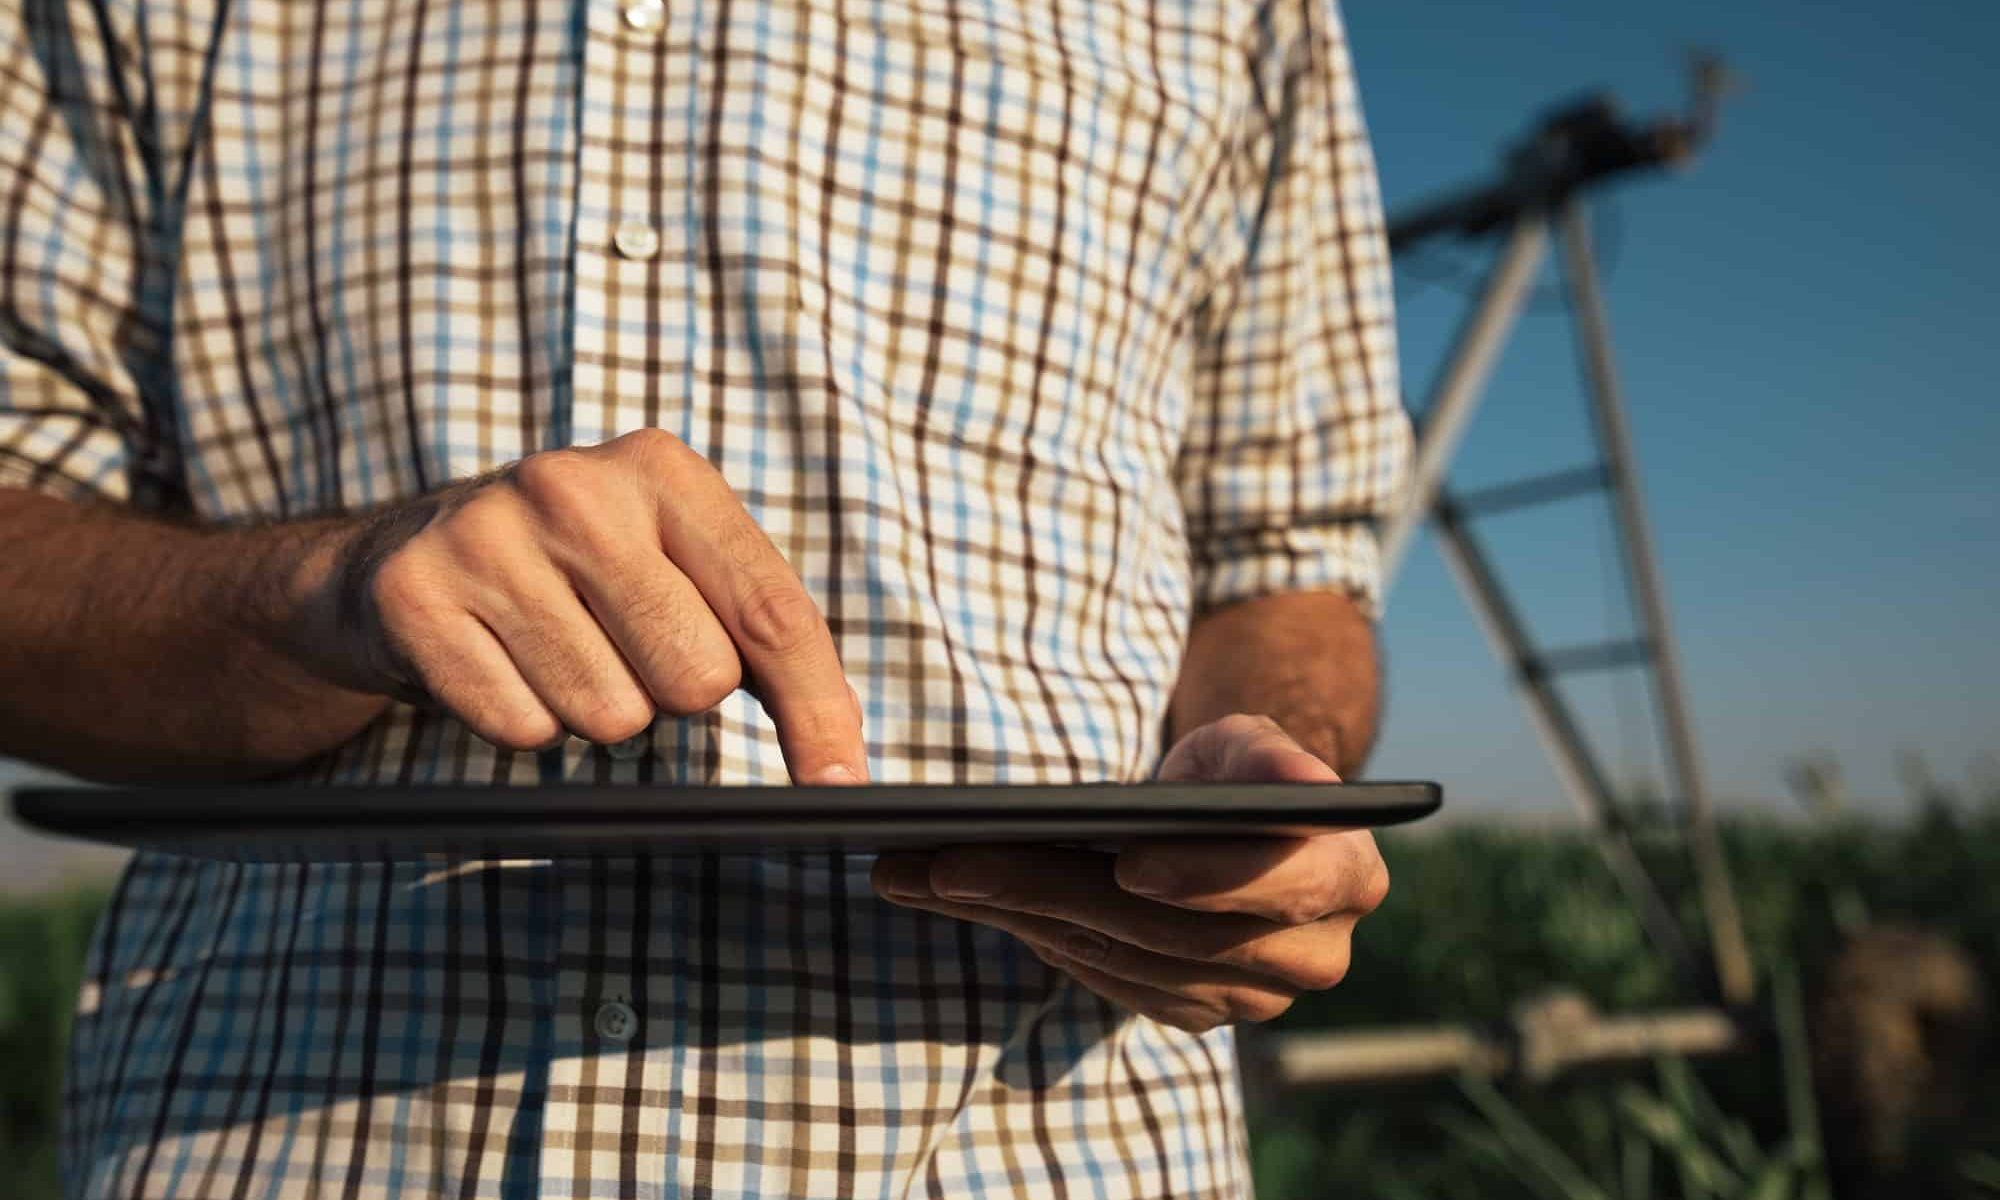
[1152, 878]
[965, 889]
[903, 876]
[837, 775]
[908, 887]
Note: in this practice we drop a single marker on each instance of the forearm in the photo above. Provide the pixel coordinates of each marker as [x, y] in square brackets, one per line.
[134, 649]
[1306, 659]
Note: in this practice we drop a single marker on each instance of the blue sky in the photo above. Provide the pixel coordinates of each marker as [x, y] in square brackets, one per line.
[1804, 324]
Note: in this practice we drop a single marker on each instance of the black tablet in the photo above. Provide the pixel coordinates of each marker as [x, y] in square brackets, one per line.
[374, 823]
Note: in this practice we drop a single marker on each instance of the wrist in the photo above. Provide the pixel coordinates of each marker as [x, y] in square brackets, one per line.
[284, 590]
[296, 650]
[1307, 660]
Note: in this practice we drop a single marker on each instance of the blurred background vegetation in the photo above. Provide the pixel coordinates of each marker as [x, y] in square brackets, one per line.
[1879, 919]
[1873, 924]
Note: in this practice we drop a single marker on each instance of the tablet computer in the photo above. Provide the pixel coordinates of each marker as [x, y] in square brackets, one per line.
[291, 823]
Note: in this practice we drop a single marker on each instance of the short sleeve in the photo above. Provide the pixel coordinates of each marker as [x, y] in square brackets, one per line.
[1297, 441]
[73, 336]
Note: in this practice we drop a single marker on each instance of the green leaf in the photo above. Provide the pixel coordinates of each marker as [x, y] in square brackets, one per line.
[1774, 1182]
[1527, 1144]
[1794, 1054]
[1668, 1125]
[1636, 1166]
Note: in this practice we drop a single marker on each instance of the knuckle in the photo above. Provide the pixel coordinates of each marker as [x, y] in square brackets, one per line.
[529, 730]
[1374, 887]
[700, 684]
[484, 523]
[668, 650]
[1321, 972]
[551, 476]
[400, 588]
[1309, 904]
[655, 456]
[648, 442]
[613, 718]
[1315, 966]
[779, 619]
[745, 547]
[1252, 1004]
[649, 610]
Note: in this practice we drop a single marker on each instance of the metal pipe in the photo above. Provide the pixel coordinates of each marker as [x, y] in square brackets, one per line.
[1560, 736]
[1732, 955]
[1542, 489]
[1466, 372]
[1534, 1048]
[1307, 1059]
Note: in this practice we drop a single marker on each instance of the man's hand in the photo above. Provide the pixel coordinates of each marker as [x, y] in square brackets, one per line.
[1191, 933]
[582, 591]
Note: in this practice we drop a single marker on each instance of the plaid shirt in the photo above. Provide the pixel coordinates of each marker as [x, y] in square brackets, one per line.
[1027, 333]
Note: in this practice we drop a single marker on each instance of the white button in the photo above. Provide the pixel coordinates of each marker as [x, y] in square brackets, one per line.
[631, 747]
[635, 239]
[646, 16]
[616, 1022]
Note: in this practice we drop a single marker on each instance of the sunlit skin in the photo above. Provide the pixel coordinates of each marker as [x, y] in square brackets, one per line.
[1194, 934]
[587, 590]
[580, 591]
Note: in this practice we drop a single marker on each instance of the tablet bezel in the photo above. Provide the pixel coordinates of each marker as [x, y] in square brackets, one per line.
[289, 823]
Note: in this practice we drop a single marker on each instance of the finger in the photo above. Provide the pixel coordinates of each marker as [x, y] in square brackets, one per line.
[1292, 881]
[1244, 995]
[565, 656]
[663, 628]
[606, 540]
[1078, 887]
[1243, 748]
[783, 639]
[468, 671]
[1181, 1012]
[1238, 994]
[1229, 992]
[900, 873]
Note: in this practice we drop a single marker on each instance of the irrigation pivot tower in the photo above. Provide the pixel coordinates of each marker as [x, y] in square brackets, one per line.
[1539, 196]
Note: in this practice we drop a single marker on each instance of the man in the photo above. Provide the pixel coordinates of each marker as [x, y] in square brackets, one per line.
[713, 392]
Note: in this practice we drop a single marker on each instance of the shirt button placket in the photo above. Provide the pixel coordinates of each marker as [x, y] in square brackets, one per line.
[637, 240]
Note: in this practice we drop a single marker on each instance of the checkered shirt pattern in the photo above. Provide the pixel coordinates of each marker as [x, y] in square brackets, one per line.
[1028, 331]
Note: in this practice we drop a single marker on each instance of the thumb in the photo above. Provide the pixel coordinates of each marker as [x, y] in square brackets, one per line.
[1243, 748]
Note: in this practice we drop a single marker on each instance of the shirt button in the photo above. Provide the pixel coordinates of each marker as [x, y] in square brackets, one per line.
[631, 747]
[616, 1022]
[635, 239]
[646, 16]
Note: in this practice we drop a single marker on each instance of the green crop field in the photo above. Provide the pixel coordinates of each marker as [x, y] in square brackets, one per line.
[1482, 917]
[1479, 918]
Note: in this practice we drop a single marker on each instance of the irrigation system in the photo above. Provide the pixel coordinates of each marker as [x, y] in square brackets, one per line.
[1534, 206]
